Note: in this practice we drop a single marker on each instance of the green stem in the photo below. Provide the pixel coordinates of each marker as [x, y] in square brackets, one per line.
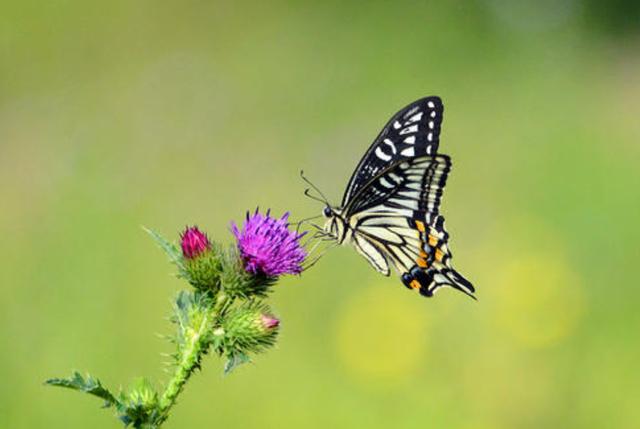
[190, 359]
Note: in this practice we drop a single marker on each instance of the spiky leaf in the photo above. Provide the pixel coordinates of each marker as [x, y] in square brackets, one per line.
[172, 250]
[235, 360]
[87, 384]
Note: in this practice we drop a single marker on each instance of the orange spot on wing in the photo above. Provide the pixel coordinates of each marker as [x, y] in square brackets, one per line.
[439, 255]
[432, 240]
[415, 284]
[420, 226]
[421, 263]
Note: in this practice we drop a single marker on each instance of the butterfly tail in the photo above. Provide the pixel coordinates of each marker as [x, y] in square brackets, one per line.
[428, 281]
[449, 277]
[444, 273]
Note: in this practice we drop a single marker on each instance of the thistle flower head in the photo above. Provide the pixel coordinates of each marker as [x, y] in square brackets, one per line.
[268, 247]
[193, 242]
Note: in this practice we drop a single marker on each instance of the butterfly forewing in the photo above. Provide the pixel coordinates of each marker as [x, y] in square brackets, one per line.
[416, 184]
[413, 131]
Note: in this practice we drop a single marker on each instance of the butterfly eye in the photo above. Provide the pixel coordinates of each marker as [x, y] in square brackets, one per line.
[327, 212]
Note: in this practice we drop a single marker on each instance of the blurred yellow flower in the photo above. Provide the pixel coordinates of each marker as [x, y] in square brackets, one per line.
[539, 299]
[379, 338]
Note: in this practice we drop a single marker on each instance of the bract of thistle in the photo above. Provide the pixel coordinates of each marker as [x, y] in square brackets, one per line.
[203, 271]
[236, 282]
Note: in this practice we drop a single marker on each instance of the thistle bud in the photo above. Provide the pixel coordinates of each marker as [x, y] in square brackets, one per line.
[202, 260]
[249, 328]
[142, 395]
[138, 405]
[194, 242]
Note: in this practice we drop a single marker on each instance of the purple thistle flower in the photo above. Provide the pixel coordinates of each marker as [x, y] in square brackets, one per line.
[193, 242]
[268, 247]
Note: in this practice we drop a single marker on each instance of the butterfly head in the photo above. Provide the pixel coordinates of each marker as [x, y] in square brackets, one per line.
[334, 225]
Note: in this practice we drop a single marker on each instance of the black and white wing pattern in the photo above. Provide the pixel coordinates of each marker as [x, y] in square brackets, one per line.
[399, 224]
[413, 131]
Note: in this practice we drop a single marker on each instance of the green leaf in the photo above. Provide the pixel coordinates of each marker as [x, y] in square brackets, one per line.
[89, 385]
[234, 361]
[172, 251]
[194, 320]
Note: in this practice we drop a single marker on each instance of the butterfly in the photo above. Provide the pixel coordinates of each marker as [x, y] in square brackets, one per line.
[390, 212]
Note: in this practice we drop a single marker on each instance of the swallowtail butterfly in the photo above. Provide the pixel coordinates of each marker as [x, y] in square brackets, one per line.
[390, 209]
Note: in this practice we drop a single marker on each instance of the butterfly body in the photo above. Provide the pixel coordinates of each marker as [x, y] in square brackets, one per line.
[390, 209]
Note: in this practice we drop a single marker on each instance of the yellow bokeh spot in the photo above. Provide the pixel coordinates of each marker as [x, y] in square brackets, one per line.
[539, 299]
[380, 336]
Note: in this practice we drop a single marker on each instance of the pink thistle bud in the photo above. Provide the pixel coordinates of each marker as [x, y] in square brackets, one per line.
[269, 322]
[194, 242]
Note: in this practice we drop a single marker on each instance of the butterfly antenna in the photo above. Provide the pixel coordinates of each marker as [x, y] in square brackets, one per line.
[307, 193]
[325, 199]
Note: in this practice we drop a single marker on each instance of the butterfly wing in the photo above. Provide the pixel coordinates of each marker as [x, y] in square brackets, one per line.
[371, 253]
[413, 131]
[397, 215]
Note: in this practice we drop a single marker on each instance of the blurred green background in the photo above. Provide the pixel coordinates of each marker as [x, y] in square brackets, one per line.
[119, 114]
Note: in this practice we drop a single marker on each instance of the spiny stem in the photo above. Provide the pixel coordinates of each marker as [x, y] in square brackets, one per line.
[191, 355]
[190, 359]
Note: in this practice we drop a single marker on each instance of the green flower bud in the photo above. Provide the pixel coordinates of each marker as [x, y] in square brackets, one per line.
[139, 405]
[142, 394]
[249, 328]
[201, 260]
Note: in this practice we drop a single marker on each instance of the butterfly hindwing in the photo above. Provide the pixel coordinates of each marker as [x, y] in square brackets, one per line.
[433, 269]
[402, 223]
[372, 254]
[395, 221]
[412, 132]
